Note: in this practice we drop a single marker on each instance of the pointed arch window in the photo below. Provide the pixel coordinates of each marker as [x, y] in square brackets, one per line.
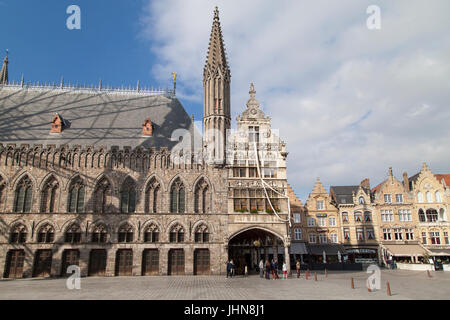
[24, 193]
[438, 196]
[177, 197]
[428, 195]
[202, 234]
[176, 234]
[126, 233]
[73, 234]
[46, 234]
[18, 234]
[102, 198]
[99, 234]
[419, 197]
[152, 195]
[49, 196]
[201, 197]
[128, 197]
[76, 196]
[151, 233]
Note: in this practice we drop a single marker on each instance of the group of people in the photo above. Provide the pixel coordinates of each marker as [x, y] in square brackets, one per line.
[271, 268]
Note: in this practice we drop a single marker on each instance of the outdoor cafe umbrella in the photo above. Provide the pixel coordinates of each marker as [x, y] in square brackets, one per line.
[324, 256]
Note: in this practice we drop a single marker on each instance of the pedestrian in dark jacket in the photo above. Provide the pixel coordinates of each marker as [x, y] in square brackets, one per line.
[268, 270]
[228, 268]
[275, 266]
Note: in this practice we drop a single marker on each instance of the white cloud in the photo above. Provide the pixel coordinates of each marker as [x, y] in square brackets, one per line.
[349, 101]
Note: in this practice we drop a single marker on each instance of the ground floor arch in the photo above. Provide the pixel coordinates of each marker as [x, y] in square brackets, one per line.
[248, 246]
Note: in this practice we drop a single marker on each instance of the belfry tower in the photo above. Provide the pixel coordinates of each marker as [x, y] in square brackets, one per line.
[216, 104]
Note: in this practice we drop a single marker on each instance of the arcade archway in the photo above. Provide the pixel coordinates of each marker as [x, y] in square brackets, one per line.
[250, 246]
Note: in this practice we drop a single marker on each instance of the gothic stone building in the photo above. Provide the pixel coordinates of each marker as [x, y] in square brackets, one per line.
[89, 177]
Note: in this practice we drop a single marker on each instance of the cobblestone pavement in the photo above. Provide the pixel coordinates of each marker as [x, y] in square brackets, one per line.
[403, 284]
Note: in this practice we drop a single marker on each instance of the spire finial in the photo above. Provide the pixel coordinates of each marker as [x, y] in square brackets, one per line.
[216, 12]
[4, 71]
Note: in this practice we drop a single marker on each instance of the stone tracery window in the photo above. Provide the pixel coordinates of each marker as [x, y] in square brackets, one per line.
[73, 234]
[24, 193]
[49, 195]
[99, 233]
[2, 191]
[103, 192]
[201, 197]
[202, 233]
[126, 233]
[46, 234]
[176, 234]
[128, 196]
[18, 234]
[152, 195]
[76, 196]
[177, 197]
[151, 233]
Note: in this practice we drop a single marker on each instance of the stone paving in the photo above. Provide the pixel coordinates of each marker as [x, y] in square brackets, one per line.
[404, 285]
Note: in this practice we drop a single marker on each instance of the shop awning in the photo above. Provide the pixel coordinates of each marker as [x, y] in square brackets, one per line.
[402, 250]
[330, 249]
[439, 252]
[298, 248]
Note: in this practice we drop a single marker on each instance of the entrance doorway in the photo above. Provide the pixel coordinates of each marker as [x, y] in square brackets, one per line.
[249, 247]
[69, 258]
[150, 262]
[97, 263]
[42, 263]
[14, 264]
[124, 262]
[202, 262]
[176, 262]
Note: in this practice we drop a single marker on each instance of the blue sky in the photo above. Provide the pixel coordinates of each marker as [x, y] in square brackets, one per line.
[345, 99]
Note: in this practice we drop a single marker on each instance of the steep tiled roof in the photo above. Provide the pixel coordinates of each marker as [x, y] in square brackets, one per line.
[344, 194]
[445, 176]
[94, 118]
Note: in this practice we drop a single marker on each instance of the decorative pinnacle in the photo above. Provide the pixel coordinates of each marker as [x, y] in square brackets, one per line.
[216, 13]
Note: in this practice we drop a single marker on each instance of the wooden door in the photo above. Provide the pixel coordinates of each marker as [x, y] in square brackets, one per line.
[150, 262]
[97, 263]
[176, 262]
[124, 262]
[201, 262]
[14, 264]
[70, 257]
[43, 263]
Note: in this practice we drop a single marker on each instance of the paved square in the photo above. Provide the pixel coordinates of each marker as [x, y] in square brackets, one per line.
[404, 285]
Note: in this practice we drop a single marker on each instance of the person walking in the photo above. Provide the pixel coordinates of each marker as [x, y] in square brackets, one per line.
[297, 266]
[246, 271]
[232, 268]
[272, 269]
[284, 270]
[268, 267]
[261, 268]
[275, 267]
[228, 268]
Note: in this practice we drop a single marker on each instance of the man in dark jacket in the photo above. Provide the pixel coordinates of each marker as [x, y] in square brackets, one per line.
[229, 269]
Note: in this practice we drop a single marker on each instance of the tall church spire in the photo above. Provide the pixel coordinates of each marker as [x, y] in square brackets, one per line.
[216, 105]
[4, 71]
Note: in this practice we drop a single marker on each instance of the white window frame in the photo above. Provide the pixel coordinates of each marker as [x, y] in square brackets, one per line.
[297, 218]
[322, 222]
[312, 238]
[298, 234]
[387, 198]
[311, 222]
[334, 238]
[323, 238]
[332, 221]
[320, 205]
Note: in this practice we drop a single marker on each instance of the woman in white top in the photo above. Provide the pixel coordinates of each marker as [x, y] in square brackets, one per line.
[284, 270]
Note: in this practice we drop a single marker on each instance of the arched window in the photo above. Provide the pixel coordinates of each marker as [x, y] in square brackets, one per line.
[49, 195]
[126, 233]
[151, 233]
[202, 234]
[421, 216]
[361, 200]
[76, 196]
[419, 197]
[24, 193]
[99, 234]
[18, 234]
[102, 198]
[128, 196]
[432, 215]
[176, 234]
[438, 196]
[177, 197]
[73, 234]
[152, 195]
[2, 192]
[46, 234]
[429, 199]
[201, 194]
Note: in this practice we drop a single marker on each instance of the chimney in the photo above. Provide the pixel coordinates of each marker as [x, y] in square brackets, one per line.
[406, 181]
[57, 124]
[147, 128]
[365, 183]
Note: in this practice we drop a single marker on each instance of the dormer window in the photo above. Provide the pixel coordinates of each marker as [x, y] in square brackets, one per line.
[57, 124]
[361, 200]
[147, 128]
